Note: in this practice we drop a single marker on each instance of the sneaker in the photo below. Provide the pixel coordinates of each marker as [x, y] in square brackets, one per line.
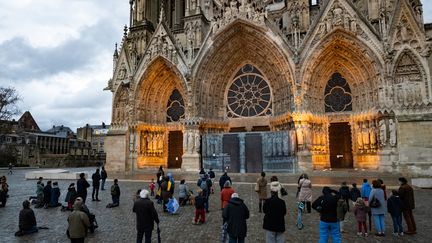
[359, 233]
[395, 234]
[401, 234]
[366, 234]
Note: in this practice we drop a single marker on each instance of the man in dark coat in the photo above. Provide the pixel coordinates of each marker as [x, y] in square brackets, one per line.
[47, 194]
[274, 219]
[223, 179]
[146, 215]
[235, 214]
[326, 205]
[27, 220]
[104, 176]
[96, 183]
[82, 186]
[406, 194]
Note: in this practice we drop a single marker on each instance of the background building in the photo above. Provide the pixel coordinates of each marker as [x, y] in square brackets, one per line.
[273, 85]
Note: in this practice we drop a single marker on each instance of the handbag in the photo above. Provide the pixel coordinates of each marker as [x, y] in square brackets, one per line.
[374, 203]
[283, 191]
[257, 187]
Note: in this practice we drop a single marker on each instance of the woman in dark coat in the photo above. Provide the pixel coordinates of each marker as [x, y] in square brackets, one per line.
[235, 214]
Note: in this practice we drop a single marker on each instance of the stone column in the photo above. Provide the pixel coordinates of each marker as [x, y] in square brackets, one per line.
[242, 156]
[191, 145]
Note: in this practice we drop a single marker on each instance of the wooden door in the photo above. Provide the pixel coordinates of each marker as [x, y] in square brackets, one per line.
[175, 149]
[340, 145]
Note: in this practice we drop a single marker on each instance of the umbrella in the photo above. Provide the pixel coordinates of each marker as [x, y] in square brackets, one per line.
[158, 234]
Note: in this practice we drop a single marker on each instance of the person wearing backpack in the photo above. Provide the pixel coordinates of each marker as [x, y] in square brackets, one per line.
[205, 184]
[378, 207]
[342, 209]
[326, 205]
[115, 194]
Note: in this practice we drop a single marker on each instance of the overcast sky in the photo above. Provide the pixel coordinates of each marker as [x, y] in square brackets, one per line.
[58, 55]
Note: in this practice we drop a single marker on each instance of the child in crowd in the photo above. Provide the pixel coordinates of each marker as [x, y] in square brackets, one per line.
[355, 192]
[394, 207]
[342, 209]
[199, 208]
[152, 187]
[360, 212]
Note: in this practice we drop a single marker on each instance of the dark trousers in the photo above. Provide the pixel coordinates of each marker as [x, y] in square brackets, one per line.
[362, 228]
[308, 206]
[409, 220]
[141, 234]
[115, 200]
[95, 190]
[77, 240]
[397, 223]
[103, 184]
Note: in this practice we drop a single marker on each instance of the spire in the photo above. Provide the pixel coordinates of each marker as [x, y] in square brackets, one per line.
[115, 52]
[162, 13]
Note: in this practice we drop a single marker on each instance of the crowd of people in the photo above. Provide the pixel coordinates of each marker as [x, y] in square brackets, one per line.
[368, 205]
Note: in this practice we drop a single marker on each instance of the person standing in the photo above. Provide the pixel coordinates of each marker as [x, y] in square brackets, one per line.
[261, 189]
[199, 208]
[166, 192]
[27, 220]
[305, 192]
[212, 176]
[226, 194]
[4, 189]
[223, 179]
[365, 190]
[40, 194]
[342, 209]
[360, 212]
[205, 185]
[104, 176]
[71, 196]
[78, 223]
[406, 194]
[354, 192]
[115, 194]
[152, 187]
[82, 186]
[344, 193]
[378, 207]
[235, 214]
[47, 194]
[10, 169]
[394, 207]
[96, 183]
[146, 216]
[274, 218]
[276, 185]
[326, 205]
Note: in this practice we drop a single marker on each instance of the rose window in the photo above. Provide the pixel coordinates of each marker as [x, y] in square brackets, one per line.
[337, 97]
[249, 95]
[175, 107]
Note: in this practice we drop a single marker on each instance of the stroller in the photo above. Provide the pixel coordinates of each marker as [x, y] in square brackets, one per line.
[92, 218]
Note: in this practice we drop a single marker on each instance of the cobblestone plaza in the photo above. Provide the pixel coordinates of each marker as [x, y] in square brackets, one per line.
[118, 224]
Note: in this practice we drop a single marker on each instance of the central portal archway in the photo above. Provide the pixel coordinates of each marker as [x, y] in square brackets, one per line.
[341, 155]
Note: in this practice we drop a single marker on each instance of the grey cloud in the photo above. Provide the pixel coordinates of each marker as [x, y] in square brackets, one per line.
[20, 61]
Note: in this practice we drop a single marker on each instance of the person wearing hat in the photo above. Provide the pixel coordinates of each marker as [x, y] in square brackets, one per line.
[406, 194]
[146, 215]
[78, 223]
[274, 210]
[226, 193]
[27, 220]
[235, 215]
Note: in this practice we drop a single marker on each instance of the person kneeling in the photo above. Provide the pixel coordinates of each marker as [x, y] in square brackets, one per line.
[27, 220]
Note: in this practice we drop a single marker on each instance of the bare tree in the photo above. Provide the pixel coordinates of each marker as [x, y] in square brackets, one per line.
[8, 103]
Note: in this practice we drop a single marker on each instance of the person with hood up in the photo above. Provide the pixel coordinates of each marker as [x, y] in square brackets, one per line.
[326, 205]
[223, 179]
[82, 186]
[360, 212]
[276, 185]
[274, 218]
[235, 214]
[225, 195]
[71, 196]
[78, 223]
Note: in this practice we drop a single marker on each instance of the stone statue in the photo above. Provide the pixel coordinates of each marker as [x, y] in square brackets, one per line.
[300, 137]
[190, 142]
[359, 137]
[293, 140]
[382, 133]
[197, 142]
[337, 15]
[365, 136]
[392, 130]
[160, 143]
[372, 135]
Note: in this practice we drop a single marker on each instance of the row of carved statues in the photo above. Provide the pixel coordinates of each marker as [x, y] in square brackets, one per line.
[151, 143]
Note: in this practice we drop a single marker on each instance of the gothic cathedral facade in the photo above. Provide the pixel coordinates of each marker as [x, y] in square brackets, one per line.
[272, 85]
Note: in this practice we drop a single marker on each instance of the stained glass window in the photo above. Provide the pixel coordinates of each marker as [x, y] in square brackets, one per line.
[249, 94]
[337, 95]
[175, 107]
